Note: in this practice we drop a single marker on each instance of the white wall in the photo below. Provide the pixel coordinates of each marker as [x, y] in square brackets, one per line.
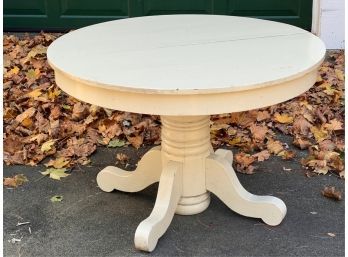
[328, 22]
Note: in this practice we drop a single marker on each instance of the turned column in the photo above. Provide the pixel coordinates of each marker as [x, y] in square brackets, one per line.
[186, 139]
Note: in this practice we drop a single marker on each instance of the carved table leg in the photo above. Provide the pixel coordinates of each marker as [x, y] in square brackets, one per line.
[148, 172]
[223, 182]
[186, 139]
[169, 192]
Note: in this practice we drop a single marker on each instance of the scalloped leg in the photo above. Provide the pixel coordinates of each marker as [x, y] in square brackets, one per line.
[169, 193]
[222, 181]
[148, 172]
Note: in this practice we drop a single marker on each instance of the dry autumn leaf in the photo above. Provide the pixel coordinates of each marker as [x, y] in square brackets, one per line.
[301, 126]
[243, 162]
[13, 71]
[15, 181]
[301, 143]
[275, 147]
[287, 155]
[332, 192]
[80, 111]
[26, 114]
[56, 198]
[32, 74]
[334, 125]
[135, 141]
[37, 50]
[58, 163]
[55, 173]
[123, 158]
[263, 115]
[320, 133]
[47, 146]
[258, 132]
[339, 74]
[116, 143]
[261, 156]
[283, 118]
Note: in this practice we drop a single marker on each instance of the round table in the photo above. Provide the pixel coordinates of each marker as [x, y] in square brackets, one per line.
[185, 68]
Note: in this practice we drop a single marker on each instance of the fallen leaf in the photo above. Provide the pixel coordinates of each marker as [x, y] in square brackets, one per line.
[123, 158]
[53, 93]
[318, 166]
[301, 143]
[339, 74]
[334, 125]
[319, 134]
[328, 88]
[13, 144]
[26, 114]
[263, 115]
[287, 154]
[32, 74]
[261, 156]
[301, 126]
[56, 198]
[58, 163]
[6, 60]
[231, 131]
[242, 119]
[243, 162]
[332, 192]
[327, 145]
[84, 160]
[55, 173]
[219, 126]
[274, 147]
[94, 109]
[15, 181]
[47, 146]
[258, 132]
[283, 118]
[37, 50]
[112, 130]
[27, 122]
[235, 141]
[39, 138]
[116, 143]
[13, 71]
[136, 141]
[80, 111]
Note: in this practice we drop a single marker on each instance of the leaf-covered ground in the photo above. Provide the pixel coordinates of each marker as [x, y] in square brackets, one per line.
[43, 124]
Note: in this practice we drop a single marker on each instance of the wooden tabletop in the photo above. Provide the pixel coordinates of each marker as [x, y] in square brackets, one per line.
[187, 55]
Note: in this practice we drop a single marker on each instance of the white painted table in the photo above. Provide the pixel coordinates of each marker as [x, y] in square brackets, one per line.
[184, 68]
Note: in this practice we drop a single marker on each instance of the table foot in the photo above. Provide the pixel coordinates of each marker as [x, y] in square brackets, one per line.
[169, 193]
[222, 181]
[148, 172]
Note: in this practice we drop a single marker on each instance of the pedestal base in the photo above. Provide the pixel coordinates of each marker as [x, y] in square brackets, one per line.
[187, 170]
[193, 205]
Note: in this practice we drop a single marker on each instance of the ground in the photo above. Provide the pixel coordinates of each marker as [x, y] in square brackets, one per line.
[89, 222]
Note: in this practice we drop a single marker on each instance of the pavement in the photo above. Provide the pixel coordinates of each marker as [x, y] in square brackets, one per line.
[89, 222]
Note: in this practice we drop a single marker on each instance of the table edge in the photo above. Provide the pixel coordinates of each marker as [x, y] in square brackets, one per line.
[186, 104]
